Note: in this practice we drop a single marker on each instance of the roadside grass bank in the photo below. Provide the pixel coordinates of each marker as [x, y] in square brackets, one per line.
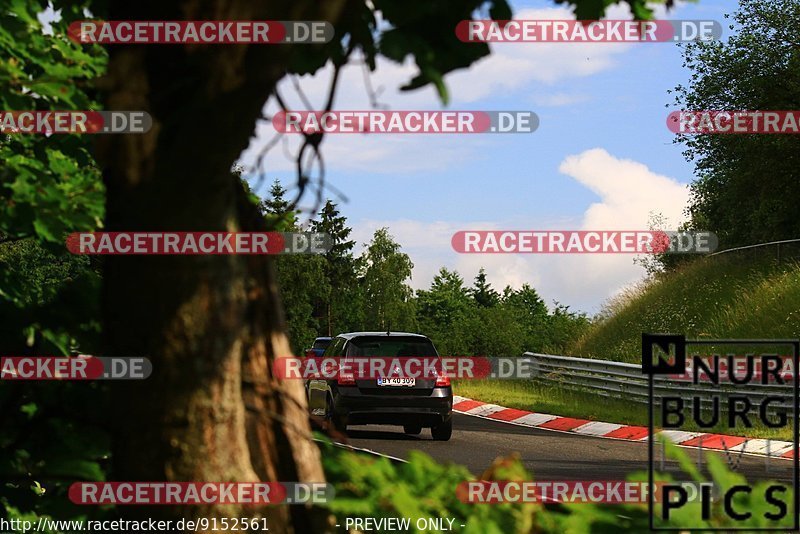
[715, 297]
[546, 398]
[727, 296]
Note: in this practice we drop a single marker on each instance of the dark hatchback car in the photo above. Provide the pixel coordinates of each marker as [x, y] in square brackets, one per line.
[319, 346]
[415, 404]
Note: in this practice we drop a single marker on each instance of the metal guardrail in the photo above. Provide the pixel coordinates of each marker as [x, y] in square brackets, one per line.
[626, 381]
[782, 249]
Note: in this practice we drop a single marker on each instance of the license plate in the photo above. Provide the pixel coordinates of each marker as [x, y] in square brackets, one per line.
[396, 381]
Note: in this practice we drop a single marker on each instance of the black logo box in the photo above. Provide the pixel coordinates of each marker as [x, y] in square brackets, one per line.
[664, 341]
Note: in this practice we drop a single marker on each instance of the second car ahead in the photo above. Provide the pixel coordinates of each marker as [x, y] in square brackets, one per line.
[414, 403]
[319, 346]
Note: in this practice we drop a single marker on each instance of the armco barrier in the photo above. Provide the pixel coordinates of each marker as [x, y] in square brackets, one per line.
[626, 381]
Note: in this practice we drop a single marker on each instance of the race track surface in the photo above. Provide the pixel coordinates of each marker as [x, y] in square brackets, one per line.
[549, 455]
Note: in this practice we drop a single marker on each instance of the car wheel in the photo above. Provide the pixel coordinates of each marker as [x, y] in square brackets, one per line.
[412, 429]
[443, 431]
[334, 421]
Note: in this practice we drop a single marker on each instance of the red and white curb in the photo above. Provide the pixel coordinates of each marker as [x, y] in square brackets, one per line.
[760, 447]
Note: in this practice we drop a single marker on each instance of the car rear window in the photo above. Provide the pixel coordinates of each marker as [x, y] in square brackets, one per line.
[321, 344]
[384, 346]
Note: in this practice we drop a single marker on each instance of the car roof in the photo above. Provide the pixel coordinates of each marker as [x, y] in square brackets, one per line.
[351, 335]
[323, 338]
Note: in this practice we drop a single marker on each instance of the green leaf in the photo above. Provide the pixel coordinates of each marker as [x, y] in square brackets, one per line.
[38, 489]
[29, 409]
[44, 229]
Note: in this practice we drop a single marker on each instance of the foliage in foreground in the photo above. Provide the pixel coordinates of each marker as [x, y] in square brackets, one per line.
[375, 487]
[369, 486]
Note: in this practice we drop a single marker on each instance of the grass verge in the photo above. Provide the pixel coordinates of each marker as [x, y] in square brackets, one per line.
[544, 398]
[717, 297]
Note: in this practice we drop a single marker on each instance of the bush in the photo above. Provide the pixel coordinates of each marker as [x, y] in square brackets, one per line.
[375, 487]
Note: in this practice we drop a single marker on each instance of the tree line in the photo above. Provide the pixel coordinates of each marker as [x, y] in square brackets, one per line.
[342, 292]
[746, 185]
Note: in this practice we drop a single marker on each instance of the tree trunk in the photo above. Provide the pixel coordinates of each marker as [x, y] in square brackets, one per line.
[207, 323]
[329, 317]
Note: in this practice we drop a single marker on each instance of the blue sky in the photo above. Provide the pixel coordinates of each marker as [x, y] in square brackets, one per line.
[602, 157]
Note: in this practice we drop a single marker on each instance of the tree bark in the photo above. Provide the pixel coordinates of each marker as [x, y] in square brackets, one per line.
[207, 323]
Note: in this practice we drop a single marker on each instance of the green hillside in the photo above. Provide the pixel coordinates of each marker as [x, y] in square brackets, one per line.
[732, 295]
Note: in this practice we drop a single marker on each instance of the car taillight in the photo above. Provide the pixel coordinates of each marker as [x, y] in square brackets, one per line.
[310, 353]
[442, 380]
[345, 379]
[345, 376]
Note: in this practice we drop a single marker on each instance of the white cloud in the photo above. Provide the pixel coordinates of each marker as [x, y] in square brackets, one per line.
[374, 153]
[628, 192]
[534, 73]
[527, 71]
[514, 67]
[558, 99]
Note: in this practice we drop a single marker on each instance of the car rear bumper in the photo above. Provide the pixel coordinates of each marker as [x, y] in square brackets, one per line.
[357, 407]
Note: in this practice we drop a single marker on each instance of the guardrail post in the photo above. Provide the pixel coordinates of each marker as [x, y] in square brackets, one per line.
[700, 454]
[766, 459]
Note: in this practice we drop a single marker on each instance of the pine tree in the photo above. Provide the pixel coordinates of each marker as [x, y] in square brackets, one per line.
[341, 308]
[483, 293]
[276, 208]
[301, 277]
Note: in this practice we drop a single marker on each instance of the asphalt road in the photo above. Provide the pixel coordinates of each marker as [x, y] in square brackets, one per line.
[549, 455]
